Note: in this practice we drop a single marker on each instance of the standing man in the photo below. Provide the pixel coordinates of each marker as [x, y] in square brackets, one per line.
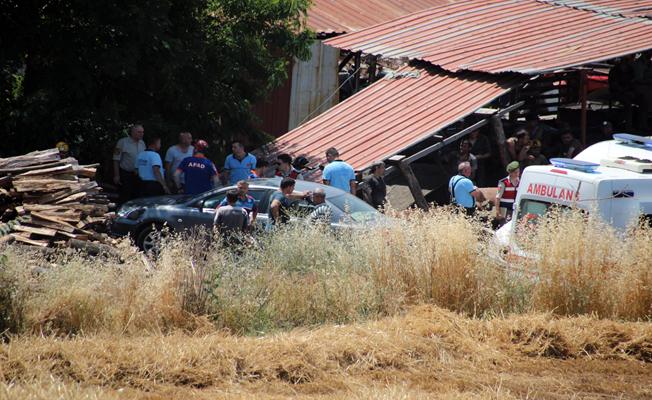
[463, 192]
[339, 173]
[176, 154]
[238, 165]
[150, 170]
[322, 213]
[200, 173]
[124, 162]
[506, 195]
[230, 220]
[281, 201]
[285, 169]
[244, 201]
[375, 190]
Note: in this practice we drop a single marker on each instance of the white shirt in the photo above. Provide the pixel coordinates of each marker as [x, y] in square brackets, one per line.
[126, 151]
[175, 155]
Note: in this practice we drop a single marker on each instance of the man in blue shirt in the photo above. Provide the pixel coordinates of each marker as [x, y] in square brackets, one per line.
[244, 201]
[200, 172]
[238, 165]
[339, 173]
[150, 170]
[463, 192]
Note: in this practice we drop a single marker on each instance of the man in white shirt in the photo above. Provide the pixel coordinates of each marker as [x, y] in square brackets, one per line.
[124, 162]
[175, 155]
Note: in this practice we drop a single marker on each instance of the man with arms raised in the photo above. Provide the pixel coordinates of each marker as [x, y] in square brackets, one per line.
[281, 201]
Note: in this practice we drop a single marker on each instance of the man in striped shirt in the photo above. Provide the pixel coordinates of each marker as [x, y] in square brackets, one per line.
[322, 213]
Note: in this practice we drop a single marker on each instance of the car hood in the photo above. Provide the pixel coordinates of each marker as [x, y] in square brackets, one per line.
[157, 201]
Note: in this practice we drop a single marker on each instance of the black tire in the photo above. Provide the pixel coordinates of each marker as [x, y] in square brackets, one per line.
[149, 237]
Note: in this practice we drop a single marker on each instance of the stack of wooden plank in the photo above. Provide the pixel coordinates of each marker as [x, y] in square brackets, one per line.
[47, 201]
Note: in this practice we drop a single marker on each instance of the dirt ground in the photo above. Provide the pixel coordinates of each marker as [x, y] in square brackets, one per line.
[426, 353]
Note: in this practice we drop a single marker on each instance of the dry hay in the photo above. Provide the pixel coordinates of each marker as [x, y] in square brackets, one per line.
[426, 352]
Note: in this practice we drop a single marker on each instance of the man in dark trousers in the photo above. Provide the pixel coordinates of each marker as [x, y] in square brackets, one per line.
[150, 170]
[200, 173]
[124, 162]
[374, 188]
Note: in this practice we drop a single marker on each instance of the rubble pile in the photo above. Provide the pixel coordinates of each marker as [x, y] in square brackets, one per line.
[48, 201]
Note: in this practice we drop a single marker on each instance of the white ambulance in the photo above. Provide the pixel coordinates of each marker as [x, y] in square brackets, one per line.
[611, 178]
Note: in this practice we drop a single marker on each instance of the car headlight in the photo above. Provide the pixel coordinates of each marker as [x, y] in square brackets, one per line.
[131, 213]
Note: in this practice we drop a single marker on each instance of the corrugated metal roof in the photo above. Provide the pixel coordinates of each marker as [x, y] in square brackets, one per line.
[340, 16]
[393, 114]
[625, 8]
[525, 36]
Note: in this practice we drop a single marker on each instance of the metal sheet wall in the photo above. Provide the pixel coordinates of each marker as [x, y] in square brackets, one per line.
[314, 84]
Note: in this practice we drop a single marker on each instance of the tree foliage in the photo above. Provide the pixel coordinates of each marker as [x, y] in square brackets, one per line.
[81, 71]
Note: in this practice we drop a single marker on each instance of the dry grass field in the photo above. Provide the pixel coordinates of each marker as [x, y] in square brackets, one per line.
[415, 310]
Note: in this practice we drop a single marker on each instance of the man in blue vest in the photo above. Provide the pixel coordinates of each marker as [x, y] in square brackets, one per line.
[463, 192]
[200, 173]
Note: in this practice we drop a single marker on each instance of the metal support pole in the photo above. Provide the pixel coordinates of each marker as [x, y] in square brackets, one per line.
[583, 100]
[356, 82]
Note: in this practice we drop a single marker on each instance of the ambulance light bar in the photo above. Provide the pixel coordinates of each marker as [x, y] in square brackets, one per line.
[627, 138]
[577, 165]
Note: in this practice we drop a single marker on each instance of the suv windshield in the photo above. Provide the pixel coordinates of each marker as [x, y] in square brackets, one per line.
[358, 210]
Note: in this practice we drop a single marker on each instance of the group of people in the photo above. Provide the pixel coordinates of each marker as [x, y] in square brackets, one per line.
[139, 170]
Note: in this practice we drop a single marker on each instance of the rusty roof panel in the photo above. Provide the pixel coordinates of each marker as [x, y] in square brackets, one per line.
[394, 114]
[625, 8]
[340, 16]
[526, 36]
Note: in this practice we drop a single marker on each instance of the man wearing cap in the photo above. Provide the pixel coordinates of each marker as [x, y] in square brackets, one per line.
[124, 162]
[463, 192]
[200, 173]
[506, 195]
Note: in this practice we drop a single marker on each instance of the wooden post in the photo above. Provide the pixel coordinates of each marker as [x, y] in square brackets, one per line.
[583, 99]
[499, 131]
[356, 68]
[413, 183]
[373, 60]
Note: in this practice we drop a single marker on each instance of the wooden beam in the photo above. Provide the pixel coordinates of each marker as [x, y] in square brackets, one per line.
[459, 135]
[499, 131]
[356, 80]
[412, 181]
[345, 61]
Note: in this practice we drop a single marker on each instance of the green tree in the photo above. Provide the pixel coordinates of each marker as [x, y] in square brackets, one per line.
[82, 70]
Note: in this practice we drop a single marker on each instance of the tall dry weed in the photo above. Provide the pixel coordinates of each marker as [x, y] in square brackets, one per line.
[308, 275]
